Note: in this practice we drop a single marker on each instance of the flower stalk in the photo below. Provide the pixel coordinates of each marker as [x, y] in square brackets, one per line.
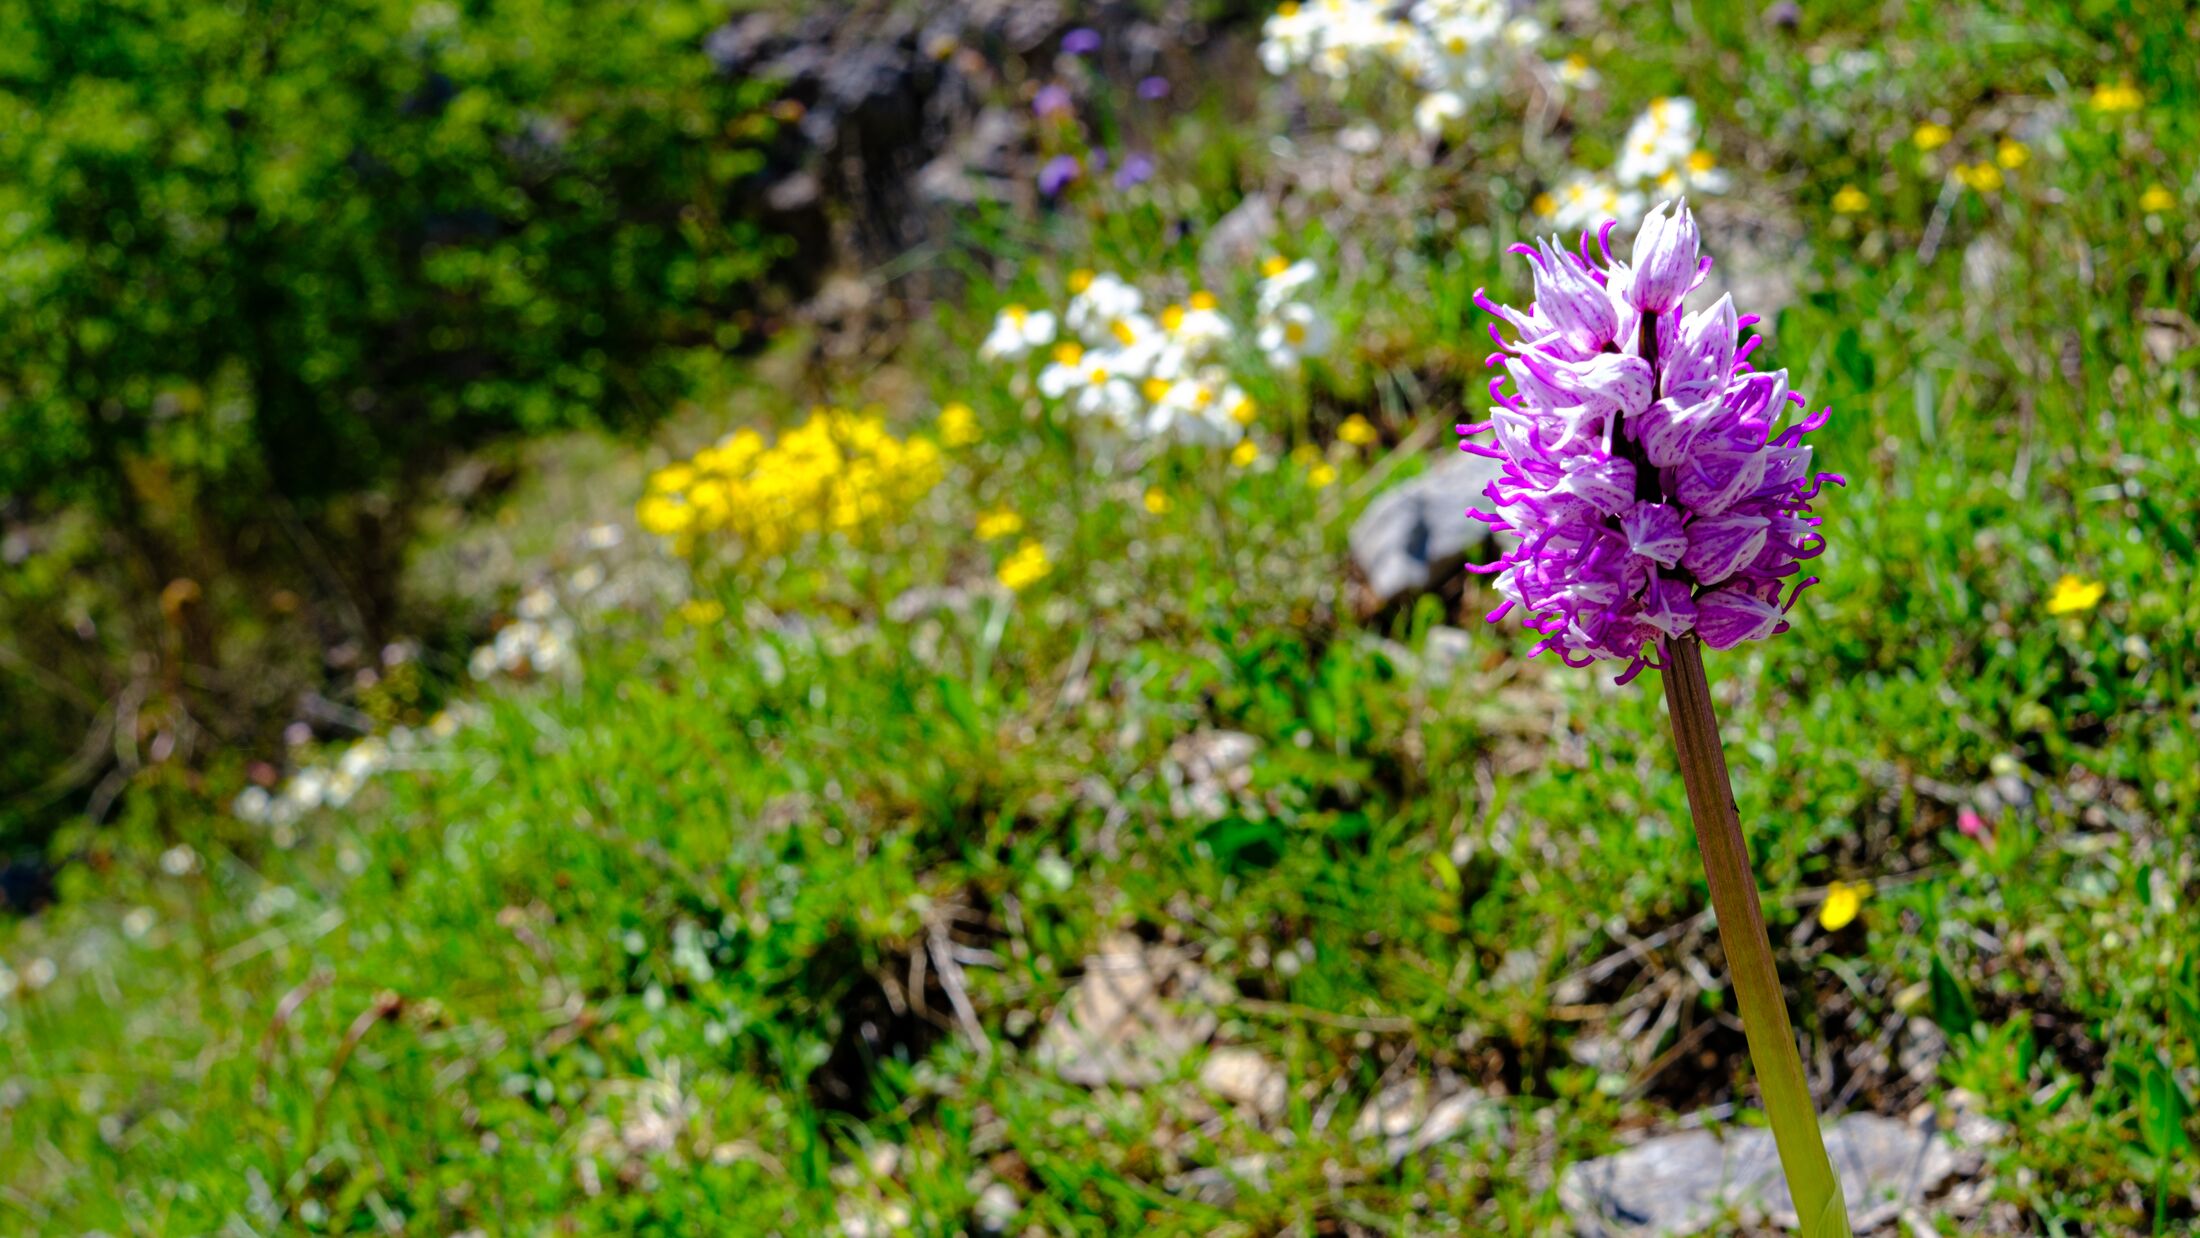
[1812, 1185]
[1811, 1181]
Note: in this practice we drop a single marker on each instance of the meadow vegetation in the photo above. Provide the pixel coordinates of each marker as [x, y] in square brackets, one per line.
[875, 698]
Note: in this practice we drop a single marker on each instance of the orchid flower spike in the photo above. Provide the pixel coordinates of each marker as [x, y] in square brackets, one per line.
[1654, 481]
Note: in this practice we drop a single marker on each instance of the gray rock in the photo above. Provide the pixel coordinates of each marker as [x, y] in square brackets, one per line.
[1217, 1185]
[1685, 1183]
[1415, 1116]
[1133, 1017]
[1415, 534]
[996, 1209]
[1246, 1078]
[978, 165]
[733, 47]
[1205, 770]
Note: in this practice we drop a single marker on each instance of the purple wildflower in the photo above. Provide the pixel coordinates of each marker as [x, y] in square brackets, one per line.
[1052, 101]
[1653, 480]
[1153, 88]
[1057, 173]
[1082, 41]
[1136, 170]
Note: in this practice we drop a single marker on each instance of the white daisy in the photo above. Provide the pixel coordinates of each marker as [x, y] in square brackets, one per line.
[1016, 332]
[1097, 301]
[1293, 332]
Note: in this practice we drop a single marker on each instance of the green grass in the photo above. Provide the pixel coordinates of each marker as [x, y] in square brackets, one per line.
[634, 952]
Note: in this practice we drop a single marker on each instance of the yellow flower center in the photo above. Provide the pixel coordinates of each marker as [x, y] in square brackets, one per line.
[1204, 300]
[1079, 280]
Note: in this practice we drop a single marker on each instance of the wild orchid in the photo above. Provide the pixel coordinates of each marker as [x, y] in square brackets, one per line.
[1658, 492]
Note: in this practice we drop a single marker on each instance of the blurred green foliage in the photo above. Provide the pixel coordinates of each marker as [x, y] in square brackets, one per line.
[266, 266]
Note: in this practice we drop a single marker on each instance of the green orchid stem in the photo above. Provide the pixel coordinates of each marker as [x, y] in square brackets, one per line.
[1810, 1177]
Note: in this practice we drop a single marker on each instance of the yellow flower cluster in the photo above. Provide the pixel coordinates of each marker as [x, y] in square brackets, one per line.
[1025, 568]
[1981, 178]
[2075, 595]
[837, 472]
[2115, 97]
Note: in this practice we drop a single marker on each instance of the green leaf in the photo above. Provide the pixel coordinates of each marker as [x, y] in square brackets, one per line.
[2163, 1112]
[1241, 845]
[1952, 1007]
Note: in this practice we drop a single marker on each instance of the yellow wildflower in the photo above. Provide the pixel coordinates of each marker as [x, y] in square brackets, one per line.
[838, 471]
[2074, 595]
[1931, 135]
[1358, 431]
[2012, 154]
[1544, 205]
[1024, 568]
[1321, 475]
[958, 425]
[2157, 199]
[663, 516]
[1157, 501]
[999, 523]
[1245, 453]
[1242, 410]
[1981, 177]
[1701, 161]
[1274, 265]
[1204, 300]
[1850, 201]
[700, 612]
[2117, 97]
[1079, 280]
[1843, 902]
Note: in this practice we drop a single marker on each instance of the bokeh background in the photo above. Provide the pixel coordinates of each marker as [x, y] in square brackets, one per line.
[695, 618]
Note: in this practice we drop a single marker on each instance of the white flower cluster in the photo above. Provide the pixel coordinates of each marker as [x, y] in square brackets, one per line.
[334, 783]
[1454, 51]
[537, 643]
[1659, 159]
[1155, 375]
